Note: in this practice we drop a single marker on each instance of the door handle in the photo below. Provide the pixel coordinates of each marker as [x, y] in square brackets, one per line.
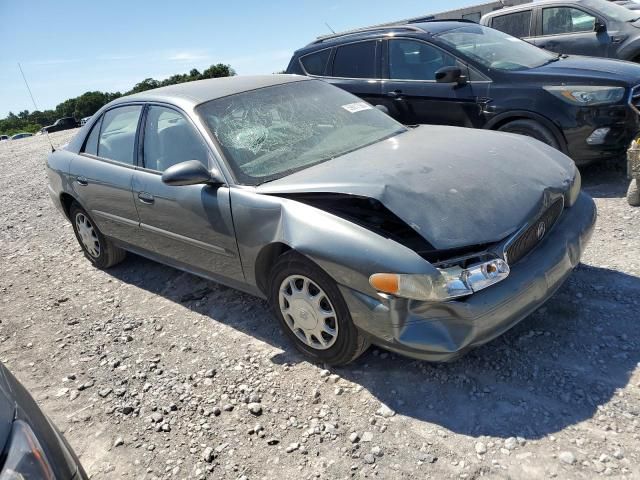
[82, 181]
[395, 94]
[145, 197]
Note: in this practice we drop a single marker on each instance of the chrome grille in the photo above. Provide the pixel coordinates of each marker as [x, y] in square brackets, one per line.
[533, 235]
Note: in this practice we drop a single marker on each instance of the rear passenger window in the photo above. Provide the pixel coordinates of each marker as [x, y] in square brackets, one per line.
[356, 60]
[118, 134]
[515, 24]
[315, 63]
[91, 145]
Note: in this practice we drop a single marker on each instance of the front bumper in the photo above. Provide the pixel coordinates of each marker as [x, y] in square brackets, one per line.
[446, 330]
[622, 120]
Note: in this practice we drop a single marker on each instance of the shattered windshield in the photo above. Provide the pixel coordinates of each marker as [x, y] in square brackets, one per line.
[274, 131]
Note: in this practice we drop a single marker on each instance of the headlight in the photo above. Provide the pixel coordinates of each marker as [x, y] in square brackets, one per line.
[572, 194]
[25, 458]
[451, 282]
[587, 96]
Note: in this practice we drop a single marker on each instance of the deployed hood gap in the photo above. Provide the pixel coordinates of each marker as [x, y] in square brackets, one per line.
[371, 214]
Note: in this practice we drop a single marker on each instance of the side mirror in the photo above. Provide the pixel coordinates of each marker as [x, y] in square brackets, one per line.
[383, 109]
[599, 27]
[191, 172]
[450, 75]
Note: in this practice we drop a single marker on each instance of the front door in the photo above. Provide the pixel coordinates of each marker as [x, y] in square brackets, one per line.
[572, 31]
[188, 225]
[103, 172]
[412, 94]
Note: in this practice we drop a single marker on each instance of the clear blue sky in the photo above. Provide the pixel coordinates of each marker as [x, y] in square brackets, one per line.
[68, 47]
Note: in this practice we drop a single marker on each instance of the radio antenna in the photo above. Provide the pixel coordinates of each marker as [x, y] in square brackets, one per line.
[329, 27]
[34, 104]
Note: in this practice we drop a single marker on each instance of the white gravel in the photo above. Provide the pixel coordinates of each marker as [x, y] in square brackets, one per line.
[149, 380]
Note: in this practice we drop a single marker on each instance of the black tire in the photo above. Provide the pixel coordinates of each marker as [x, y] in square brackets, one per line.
[633, 194]
[349, 344]
[533, 129]
[108, 254]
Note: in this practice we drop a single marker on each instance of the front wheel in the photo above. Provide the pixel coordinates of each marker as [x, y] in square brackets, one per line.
[96, 247]
[312, 312]
[533, 129]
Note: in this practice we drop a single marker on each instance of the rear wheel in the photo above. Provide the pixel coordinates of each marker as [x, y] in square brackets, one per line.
[96, 247]
[312, 312]
[533, 129]
[633, 194]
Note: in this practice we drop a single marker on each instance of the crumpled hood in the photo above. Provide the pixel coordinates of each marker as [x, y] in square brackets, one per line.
[455, 186]
[589, 69]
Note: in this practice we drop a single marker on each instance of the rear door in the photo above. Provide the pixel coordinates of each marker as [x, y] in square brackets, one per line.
[411, 92]
[518, 24]
[571, 30]
[355, 67]
[103, 170]
[190, 225]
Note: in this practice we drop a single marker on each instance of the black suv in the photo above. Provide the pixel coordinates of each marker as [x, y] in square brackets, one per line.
[64, 123]
[579, 27]
[465, 74]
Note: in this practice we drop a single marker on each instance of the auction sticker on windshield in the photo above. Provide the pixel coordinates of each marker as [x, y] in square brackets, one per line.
[356, 107]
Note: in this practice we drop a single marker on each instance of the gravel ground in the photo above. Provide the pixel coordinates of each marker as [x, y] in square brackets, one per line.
[155, 373]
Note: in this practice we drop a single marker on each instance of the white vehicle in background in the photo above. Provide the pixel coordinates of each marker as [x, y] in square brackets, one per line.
[4, 137]
[19, 136]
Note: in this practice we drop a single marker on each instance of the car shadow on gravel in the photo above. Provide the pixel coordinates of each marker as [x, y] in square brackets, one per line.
[605, 180]
[551, 371]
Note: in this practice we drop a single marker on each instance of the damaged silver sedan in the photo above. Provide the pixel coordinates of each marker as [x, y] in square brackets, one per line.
[426, 241]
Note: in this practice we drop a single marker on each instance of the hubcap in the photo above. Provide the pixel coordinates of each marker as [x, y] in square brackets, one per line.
[88, 235]
[308, 312]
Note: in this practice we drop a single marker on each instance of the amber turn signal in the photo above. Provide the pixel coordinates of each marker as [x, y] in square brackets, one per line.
[385, 282]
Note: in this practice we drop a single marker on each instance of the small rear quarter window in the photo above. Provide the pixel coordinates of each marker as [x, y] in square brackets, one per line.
[316, 63]
[91, 145]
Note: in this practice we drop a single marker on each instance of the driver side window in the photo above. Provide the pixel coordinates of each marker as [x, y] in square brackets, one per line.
[412, 60]
[170, 139]
[559, 20]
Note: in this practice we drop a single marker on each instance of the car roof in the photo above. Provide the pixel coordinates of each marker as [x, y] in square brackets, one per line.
[429, 27]
[530, 5]
[191, 94]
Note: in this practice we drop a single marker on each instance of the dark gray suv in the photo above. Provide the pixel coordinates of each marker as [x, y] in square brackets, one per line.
[595, 28]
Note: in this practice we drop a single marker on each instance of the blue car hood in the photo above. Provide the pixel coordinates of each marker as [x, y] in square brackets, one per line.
[590, 69]
[456, 187]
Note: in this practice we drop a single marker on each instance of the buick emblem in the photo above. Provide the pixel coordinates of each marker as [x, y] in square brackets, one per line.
[542, 228]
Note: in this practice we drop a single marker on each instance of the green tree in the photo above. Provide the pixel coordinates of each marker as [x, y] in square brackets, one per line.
[146, 84]
[217, 71]
[89, 103]
[66, 108]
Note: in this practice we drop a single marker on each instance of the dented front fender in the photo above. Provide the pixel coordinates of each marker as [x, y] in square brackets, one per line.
[347, 252]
